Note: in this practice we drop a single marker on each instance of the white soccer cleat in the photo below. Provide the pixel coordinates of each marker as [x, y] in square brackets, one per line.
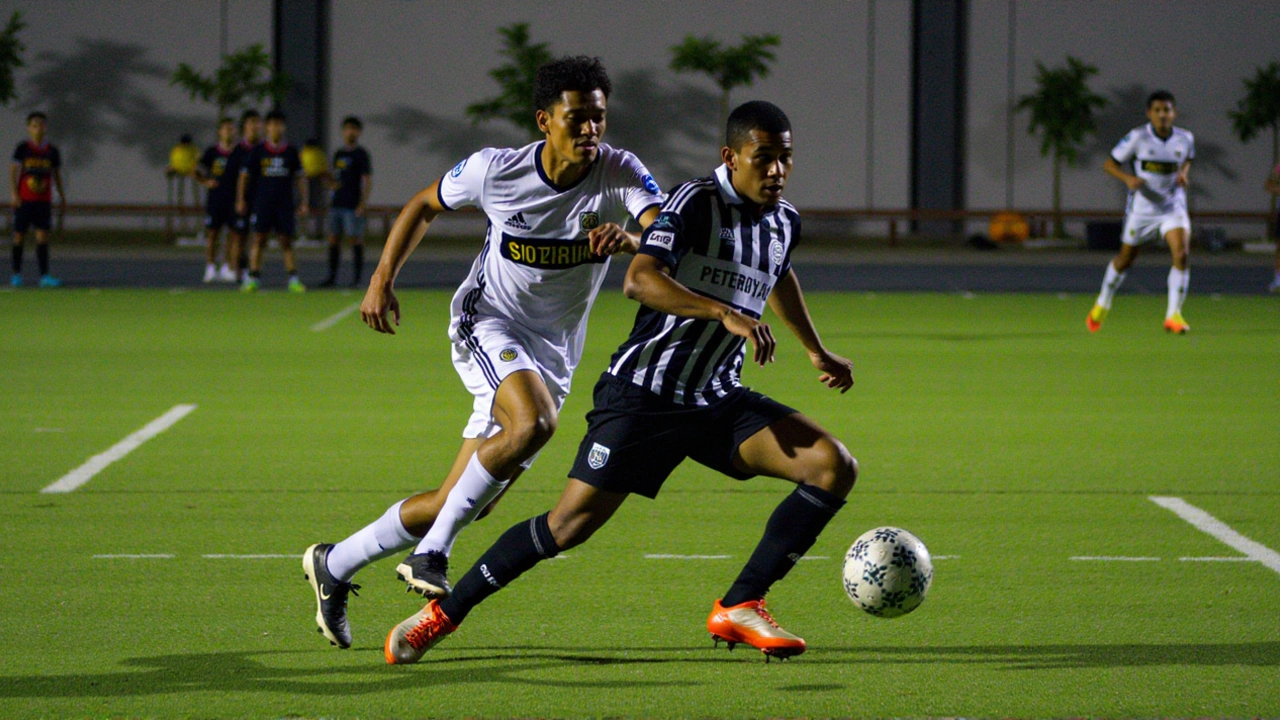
[210, 273]
[226, 274]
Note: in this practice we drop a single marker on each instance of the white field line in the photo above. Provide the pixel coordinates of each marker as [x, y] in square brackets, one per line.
[335, 318]
[1211, 525]
[1215, 559]
[946, 557]
[1109, 558]
[97, 463]
[126, 556]
[815, 557]
[686, 557]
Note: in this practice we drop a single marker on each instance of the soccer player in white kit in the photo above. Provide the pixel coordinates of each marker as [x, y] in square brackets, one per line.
[555, 209]
[1161, 157]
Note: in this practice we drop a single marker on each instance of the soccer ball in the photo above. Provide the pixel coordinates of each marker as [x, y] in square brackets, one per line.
[887, 572]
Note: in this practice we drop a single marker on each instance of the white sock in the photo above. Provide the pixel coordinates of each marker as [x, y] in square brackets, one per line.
[380, 538]
[473, 493]
[1110, 283]
[1178, 282]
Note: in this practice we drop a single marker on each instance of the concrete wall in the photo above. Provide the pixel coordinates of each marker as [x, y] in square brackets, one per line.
[409, 67]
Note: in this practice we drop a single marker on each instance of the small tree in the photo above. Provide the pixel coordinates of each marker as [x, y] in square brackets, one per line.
[728, 66]
[244, 76]
[11, 49]
[1062, 112]
[1259, 110]
[516, 78]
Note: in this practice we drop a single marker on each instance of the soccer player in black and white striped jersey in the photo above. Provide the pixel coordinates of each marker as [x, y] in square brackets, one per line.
[718, 252]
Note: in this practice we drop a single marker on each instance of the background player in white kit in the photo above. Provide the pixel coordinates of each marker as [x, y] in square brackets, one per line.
[1161, 155]
[519, 320]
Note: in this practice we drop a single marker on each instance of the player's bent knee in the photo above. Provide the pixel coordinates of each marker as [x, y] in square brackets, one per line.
[534, 430]
[834, 469]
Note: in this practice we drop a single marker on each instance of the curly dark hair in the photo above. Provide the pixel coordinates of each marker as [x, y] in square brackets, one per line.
[569, 73]
[754, 115]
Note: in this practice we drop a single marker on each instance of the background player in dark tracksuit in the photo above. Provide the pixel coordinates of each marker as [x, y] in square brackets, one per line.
[220, 201]
[250, 136]
[275, 169]
[351, 181]
[35, 172]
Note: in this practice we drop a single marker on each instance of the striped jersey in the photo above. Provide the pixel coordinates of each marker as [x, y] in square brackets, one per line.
[1157, 161]
[536, 269]
[719, 245]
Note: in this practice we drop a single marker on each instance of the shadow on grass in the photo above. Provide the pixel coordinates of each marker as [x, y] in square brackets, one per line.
[246, 671]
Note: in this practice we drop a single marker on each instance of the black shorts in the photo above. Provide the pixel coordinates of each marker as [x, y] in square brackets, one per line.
[635, 438]
[30, 214]
[277, 218]
[220, 214]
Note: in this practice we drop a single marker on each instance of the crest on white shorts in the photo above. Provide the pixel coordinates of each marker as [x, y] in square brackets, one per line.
[508, 354]
[598, 456]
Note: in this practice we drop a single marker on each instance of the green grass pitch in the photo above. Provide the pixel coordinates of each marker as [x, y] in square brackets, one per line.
[994, 427]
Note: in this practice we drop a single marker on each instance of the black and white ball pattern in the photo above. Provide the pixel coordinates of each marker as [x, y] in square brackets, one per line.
[887, 572]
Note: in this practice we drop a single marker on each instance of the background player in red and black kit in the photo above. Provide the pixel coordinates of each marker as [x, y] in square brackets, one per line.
[34, 174]
[275, 170]
[250, 135]
[351, 182]
[220, 201]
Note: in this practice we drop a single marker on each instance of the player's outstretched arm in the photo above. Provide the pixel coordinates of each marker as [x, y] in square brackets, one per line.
[408, 230]
[611, 239]
[787, 301]
[649, 282]
[1112, 168]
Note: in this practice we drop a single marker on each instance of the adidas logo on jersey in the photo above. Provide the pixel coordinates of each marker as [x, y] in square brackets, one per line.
[517, 222]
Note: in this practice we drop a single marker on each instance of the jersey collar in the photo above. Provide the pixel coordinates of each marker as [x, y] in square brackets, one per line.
[542, 172]
[726, 186]
[1152, 130]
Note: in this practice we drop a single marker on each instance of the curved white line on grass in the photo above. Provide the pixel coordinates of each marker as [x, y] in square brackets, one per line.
[98, 463]
[1110, 558]
[1211, 525]
[157, 556]
[335, 318]
[686, 557]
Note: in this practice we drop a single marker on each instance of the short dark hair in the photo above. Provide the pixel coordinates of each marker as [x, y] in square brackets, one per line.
[37, 114]
[186, 139]
[352, 120]
[275, 115]
[1160, 95]
[246, 116]
[569, 74]
[754, 115]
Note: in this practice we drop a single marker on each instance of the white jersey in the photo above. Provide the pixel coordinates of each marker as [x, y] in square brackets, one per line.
[1157, 162]
[536, 269]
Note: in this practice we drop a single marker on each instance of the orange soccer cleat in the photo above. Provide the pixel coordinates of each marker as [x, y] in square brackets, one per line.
[411, 639]
[1096, 316]
[1176, 324]
[750, 623]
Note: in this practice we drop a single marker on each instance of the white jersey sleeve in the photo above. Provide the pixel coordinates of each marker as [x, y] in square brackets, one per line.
[1127, 148]
[464, 185]
[639, 190]
[1191, 145]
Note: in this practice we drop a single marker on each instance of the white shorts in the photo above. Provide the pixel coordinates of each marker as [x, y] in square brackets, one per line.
[486, 351]
[1139, 229]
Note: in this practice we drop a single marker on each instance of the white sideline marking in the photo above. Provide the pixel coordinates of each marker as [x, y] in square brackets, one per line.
[335, 318]
[268, 556]
[815, 557]
[1215, 559]
[98, 463]
[686, 557]
[946, 557]
[1108, 558]
[157, 556]
[1211, 525]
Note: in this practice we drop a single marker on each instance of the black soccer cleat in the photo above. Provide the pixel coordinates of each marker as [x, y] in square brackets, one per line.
[331, 595]
[328, 282]
[427, 574]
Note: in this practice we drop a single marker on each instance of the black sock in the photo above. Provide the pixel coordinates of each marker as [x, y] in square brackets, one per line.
[244, 261]
[42, 257]
[335, 257]
[791, 531]
[17, 258]
[520, 548]
[357, 262]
